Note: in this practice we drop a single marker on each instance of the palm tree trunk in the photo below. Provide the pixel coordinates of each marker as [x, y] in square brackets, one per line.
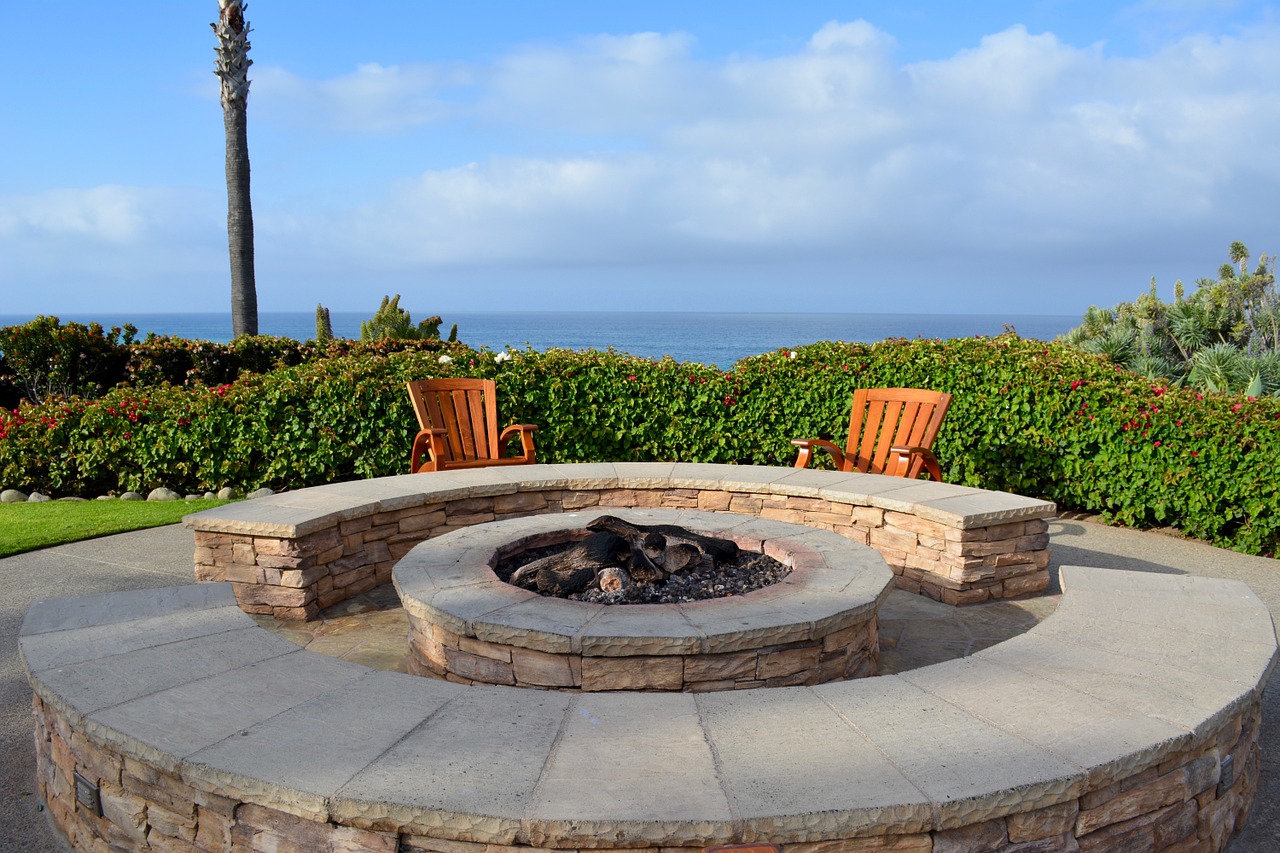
[232, 68]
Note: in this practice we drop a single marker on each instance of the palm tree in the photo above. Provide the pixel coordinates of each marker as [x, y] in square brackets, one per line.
[232, 68]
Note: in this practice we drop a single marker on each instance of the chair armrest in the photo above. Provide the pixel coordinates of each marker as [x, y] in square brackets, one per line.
[901, 459]
[430, 441]
[808, 445]
[526, 439]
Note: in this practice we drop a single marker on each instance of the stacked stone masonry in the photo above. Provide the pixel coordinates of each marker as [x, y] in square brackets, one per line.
[1176, 806]
[818, 624]
[167, 720]
[323, 555]
[435, 651]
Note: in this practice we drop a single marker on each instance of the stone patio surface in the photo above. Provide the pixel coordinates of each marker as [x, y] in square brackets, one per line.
[162, 558]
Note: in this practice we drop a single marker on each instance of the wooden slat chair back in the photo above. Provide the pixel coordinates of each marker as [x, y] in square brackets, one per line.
[891, 431]
[458, 427]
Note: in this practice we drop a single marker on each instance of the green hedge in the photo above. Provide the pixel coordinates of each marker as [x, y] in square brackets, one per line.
[44, 358]
[1034, 418]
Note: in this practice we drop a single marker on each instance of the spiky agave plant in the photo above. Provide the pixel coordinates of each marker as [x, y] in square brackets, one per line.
[232, 68]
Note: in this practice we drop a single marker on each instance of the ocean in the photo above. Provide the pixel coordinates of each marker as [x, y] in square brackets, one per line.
[719, 339]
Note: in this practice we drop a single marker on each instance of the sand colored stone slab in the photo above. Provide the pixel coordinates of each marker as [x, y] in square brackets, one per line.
[588, 475]
[81, 611]
[983, 509]
[468, 772]
[71, 646]
[1194, 701]
[389, 493]
[779, 775]
[107, 681]
[970, 769]
[633, 765]
[1106, 740]
[645, 475]
[1237, 660]
[540, 623]
[182, 719]
[295, 760]
[810, 483]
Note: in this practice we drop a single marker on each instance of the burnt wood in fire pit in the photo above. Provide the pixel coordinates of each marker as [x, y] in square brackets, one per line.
[619, 554]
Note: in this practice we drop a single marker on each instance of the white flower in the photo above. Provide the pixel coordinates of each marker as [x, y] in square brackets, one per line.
[444, 359]
[791, 354]
[501, 357]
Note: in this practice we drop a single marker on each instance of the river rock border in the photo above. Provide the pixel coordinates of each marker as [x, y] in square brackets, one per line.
[816, 625]
[293, 554]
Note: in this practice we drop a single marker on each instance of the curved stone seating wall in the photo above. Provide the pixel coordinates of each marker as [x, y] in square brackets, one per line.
[292, 554]
[1127, 720]
[817, 625]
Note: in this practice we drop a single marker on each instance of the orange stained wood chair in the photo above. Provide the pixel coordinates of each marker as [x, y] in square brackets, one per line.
[891, 431]
[458, 420]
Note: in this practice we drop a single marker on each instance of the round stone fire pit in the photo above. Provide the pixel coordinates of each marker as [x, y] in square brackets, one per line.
[816, 625]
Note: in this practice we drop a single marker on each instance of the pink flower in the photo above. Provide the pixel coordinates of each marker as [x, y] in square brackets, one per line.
[1156, 444]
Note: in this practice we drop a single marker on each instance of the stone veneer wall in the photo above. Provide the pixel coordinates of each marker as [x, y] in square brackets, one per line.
[297, 578]
[1177, 805]
[852, 652]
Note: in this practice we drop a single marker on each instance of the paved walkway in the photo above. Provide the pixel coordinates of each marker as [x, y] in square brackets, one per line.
[370, 631]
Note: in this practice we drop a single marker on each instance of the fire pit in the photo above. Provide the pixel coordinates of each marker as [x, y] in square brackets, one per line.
[817, 624]
[613, 561]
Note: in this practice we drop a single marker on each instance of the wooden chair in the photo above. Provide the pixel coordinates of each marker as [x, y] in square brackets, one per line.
[458, 420]
[891, 431]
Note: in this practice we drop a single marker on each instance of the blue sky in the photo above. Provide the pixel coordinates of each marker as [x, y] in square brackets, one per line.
[1031, 157]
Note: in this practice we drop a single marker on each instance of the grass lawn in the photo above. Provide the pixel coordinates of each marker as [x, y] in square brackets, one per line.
[28, 526]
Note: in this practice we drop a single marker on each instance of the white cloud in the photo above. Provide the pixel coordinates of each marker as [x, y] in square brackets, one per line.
[1020, 153]
[372, 99]
[110, 233]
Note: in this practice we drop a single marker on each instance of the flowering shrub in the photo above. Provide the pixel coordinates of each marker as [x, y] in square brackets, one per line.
[1038, 419]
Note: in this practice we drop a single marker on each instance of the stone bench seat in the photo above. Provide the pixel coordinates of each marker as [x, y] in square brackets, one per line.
[293, 554]
[1127, 717]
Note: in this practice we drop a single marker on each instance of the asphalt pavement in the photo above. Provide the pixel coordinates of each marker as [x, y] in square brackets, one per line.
[163, 557]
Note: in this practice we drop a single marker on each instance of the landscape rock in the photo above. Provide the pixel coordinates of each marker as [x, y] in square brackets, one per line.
[260, 493]
[226, 493]
[192, 497]
[37, 498]
[106, 497]
[209, 496]
[73, 499]
[131, 496]
[163, 494]
[12, 496]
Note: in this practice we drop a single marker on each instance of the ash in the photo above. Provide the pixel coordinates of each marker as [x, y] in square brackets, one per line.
[752, 571]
